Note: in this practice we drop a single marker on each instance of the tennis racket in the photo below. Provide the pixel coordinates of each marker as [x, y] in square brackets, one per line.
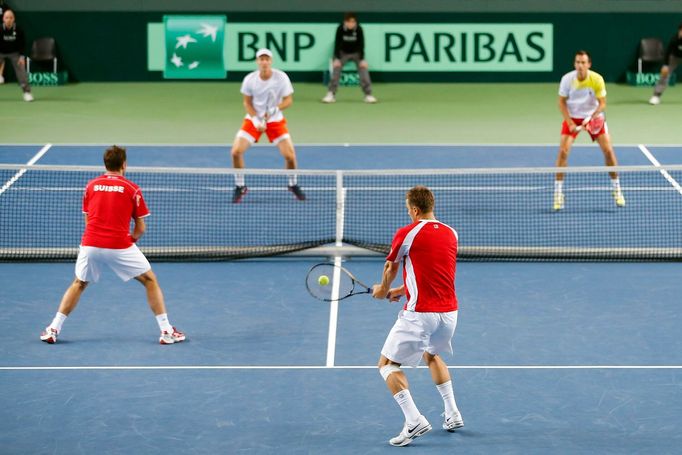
[337, 277]
[593, 126]
[270, 105]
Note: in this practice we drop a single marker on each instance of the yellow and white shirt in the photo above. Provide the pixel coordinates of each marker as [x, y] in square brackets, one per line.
[582, 95]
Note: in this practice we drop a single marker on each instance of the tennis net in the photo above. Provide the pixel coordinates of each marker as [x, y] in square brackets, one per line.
[500, 214]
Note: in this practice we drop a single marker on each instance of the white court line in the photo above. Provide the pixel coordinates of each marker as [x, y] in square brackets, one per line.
[333, 313]
[336, 278]
[21, 172]
[655, 162]
[342, 367]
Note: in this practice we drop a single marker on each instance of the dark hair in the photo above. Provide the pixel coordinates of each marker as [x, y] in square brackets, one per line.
[114, 157]
[582, 52]
[349, 15]
[422, 198]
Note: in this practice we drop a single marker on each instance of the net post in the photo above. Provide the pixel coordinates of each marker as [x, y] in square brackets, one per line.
[340, 207]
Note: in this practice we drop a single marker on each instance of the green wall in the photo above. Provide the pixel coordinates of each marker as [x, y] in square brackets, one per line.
[112, 46]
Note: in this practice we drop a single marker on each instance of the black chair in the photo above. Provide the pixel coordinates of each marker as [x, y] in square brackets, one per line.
[43, 50]
[650, 51]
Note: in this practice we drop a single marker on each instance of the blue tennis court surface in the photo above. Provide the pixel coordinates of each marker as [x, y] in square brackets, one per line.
[549, 358]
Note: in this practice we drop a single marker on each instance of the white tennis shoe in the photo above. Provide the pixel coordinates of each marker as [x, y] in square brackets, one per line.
[407, 435]
[655, 100]
[171, 337]
[28, 97]
[49, 335]
[453, 422]
[329, 98]
[370, 99]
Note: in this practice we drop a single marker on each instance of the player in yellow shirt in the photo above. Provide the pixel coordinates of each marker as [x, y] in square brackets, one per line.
[582, 101]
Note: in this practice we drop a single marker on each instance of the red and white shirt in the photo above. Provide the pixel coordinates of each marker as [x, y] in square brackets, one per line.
[428, 249]
[111, 201]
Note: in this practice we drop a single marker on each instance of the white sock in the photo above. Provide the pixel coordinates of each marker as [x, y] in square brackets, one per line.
[448, 395]
[615, 183]
[558, 186]
[404, 399]
[58, 321]
[292, 180]
[164, 325]
[239, 179]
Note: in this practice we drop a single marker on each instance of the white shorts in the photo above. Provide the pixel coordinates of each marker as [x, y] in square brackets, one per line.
[413, 333]
[126, 263]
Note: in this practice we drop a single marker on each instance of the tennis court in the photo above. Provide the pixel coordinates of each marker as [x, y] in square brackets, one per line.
[567, 357]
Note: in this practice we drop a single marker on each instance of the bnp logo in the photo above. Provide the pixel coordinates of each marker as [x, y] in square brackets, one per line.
[194, 47]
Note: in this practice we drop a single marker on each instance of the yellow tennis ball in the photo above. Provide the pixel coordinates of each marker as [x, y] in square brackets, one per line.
[323, 280]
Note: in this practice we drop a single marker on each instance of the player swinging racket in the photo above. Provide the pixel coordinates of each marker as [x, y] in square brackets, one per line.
[267, 92]
[582, 101]
[428, 250]
[109, 203]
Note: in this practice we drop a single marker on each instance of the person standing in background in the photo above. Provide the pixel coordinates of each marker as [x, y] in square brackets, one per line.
[673, 57]
[349, 45]
[12, 44]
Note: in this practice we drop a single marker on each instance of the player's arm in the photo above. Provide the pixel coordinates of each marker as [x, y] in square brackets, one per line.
[138, 229]
[286, 102]
[394, 294]
[563, 108]
[248, 105]
[380, 291]
[601, 108]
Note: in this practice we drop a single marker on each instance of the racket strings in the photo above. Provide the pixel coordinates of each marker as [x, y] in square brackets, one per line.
[344, 282]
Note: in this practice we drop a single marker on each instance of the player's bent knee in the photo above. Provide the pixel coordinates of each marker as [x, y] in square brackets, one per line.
[146, 278]
[388, 370]
[428, 357]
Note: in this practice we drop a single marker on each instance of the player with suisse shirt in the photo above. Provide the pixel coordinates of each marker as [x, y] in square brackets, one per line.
[582, 97]
[259, 88]
[109, 203]
[427, 249]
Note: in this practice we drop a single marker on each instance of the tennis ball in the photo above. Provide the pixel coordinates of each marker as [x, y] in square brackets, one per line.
[323, 280]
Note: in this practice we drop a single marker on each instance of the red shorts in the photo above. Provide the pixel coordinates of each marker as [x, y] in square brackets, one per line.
[565, 131]
[276, 131]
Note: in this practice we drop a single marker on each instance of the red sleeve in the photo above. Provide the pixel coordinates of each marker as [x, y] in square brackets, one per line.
[86, 199]
[395, 255]
[140, 209]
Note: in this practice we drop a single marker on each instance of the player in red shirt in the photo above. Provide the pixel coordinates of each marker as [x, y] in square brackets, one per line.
[109, 203]
[428, 250]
